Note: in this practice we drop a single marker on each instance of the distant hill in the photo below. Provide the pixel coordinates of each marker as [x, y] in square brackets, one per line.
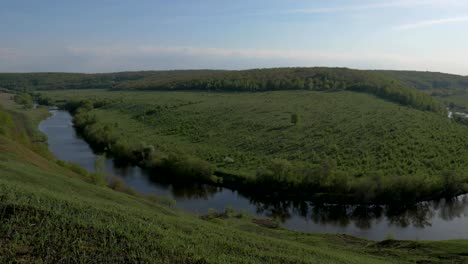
[379, 84]
[437, 83]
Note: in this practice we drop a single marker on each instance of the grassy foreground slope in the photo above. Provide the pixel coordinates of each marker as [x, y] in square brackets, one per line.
[354, 144]
[50, 214]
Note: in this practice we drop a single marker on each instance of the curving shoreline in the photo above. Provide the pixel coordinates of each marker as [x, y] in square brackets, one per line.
[372, 222]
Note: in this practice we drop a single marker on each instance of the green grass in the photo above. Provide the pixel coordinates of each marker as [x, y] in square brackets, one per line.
[356, 143]
[49, 214]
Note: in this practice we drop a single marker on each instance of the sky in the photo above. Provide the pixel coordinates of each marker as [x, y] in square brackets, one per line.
[116, 35]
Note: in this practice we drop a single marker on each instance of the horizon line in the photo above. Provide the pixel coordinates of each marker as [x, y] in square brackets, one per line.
[227, 70]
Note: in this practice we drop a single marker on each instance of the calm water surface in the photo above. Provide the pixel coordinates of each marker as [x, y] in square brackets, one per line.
[435, 220]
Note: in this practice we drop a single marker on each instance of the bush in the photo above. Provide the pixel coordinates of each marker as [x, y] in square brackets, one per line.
[24, 99]
[119, 185]
[183, 166]
[6, 123]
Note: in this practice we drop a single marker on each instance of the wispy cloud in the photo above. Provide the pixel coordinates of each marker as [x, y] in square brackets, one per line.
[432, 22]
[381, 4]
[230, 53]
[228, 58]
[9, 53]
[151, 57]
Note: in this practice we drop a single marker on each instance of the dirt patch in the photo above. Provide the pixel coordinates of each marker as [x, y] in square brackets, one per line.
[268, 223]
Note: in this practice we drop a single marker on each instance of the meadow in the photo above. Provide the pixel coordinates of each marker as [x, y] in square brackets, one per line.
[329, 145]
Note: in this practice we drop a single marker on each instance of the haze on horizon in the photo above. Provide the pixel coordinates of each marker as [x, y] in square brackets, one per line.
[108, 35]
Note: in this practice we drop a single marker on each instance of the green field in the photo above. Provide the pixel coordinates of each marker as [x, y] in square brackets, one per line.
[51, 214]
[364, 148]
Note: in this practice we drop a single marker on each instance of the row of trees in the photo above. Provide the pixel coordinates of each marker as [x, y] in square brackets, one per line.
[326, 182]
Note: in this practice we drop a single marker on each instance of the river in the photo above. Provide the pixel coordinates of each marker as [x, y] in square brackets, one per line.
[434, 220]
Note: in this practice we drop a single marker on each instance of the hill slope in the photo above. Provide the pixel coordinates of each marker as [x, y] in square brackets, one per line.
[437, 83]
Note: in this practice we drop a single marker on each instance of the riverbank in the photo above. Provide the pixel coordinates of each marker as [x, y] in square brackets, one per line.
[435, 220]
[51, 214]
[395, 156]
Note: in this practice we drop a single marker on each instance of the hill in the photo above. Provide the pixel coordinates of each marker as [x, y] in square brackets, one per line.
[438, 84]
[318, 79]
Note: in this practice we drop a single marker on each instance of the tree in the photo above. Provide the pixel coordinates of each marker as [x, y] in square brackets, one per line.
[294, 118]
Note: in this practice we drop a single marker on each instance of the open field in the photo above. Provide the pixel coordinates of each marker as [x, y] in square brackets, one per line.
[351, 143]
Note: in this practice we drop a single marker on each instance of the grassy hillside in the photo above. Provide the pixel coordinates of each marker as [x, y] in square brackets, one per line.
[346, 146]
[50, 214]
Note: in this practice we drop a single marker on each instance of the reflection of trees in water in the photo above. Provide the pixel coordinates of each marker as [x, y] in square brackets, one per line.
[194, 191]
[418, 215]
[179, 190]
[362, 216]
[279, 210]
[330, 214]
[453, 208]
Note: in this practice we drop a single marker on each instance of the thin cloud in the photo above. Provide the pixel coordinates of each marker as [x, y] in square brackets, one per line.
[432, 22]
[9, 53]
[201, 57]
[228, 53]
[147, 57]
[380, 5]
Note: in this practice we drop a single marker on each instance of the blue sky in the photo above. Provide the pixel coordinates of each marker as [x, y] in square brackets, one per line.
[117, 35]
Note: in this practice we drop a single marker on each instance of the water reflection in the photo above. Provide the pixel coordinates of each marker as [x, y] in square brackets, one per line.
[418, 215]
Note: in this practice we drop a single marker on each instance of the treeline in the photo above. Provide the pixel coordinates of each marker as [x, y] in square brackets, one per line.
[317, 79]
[67, 81]
[326, 183]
